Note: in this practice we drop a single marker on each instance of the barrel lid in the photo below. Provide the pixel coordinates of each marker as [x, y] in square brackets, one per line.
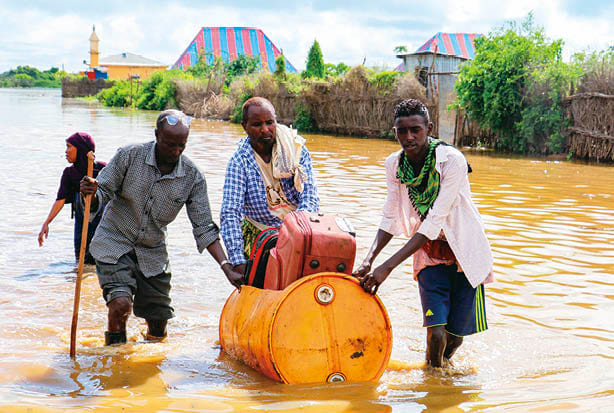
[326, 328]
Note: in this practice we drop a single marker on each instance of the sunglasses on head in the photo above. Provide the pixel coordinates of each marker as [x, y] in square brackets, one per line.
[173, 119]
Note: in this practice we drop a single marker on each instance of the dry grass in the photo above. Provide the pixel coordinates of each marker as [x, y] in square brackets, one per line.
[283, 101]
[199, 98]
[350, 105]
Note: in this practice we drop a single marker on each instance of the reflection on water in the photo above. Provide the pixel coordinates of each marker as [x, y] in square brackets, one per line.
[550, 346]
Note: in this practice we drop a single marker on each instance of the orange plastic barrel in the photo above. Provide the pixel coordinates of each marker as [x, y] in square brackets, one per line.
[321, 328]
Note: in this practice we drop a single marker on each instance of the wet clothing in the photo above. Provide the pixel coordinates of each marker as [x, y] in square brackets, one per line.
[448, 299]
[91, 229]
[69, 190]
[71, 177]
[451, 290]
[245, 195]
[142, 202]
[150, 295]
[452, 213]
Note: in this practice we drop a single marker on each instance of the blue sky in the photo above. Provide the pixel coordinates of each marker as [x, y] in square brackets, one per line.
[55, 33]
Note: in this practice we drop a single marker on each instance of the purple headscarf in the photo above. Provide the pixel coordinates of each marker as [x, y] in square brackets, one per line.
[84, 143]
[69, 184]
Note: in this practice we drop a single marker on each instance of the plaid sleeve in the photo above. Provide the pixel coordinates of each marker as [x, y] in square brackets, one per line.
[233, 200]
[308, 199]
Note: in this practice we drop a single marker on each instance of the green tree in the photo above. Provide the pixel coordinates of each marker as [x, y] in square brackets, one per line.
[201, 68]
[23, 80]
[27, 76]
[332, 70]
[400, 49]
[494, 88]
[315, 62]
[280, 67]
[242, 65]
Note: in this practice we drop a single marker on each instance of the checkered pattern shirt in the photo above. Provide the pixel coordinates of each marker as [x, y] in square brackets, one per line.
[142, 202]
[244, 195]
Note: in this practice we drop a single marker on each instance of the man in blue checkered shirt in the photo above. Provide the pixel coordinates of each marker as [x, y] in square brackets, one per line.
[268, 176]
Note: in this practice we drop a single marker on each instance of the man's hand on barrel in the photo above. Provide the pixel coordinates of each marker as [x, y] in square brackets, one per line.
[363, 270]
[235, 277]
[371, 281]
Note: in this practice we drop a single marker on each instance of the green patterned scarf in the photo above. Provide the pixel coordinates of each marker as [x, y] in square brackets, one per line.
[423, 189]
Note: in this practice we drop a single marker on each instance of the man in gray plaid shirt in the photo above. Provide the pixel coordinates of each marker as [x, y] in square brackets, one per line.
[145, 186]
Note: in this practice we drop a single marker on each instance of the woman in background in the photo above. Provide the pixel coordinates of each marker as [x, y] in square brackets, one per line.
[77, 147]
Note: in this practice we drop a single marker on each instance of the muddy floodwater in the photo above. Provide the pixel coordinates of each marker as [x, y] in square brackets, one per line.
[549, 347]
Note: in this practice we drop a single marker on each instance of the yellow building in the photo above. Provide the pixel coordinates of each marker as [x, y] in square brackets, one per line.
[121, 66]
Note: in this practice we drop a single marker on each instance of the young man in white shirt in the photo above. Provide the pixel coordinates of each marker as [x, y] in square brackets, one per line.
[429, 201]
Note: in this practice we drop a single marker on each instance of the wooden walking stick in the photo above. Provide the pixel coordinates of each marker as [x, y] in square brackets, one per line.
[86, 221]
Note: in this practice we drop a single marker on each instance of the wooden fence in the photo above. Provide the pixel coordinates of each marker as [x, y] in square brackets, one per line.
[592, 134]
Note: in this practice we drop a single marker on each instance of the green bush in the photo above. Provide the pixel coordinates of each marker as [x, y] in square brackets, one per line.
[118, 95]
[201, 68]
[293, 83]
[514, 87]
[242, 65]
[304, 121]
[543, 118]
[23, 80]
[237, 114]
[152, 98]
[384, 81]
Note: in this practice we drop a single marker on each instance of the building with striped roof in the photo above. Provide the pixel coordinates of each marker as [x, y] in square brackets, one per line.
[436, 65]
[228, 43]
[451, 44]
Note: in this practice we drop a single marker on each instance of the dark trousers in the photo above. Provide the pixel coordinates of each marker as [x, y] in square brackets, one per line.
[91, 229]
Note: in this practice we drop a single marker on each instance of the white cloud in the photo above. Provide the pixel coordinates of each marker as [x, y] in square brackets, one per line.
[574, 30]
[348, 32]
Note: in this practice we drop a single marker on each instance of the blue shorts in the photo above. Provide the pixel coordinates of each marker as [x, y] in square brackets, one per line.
[449, 300]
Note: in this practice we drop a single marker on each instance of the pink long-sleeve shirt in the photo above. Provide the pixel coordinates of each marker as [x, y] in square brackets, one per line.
[453, 213]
